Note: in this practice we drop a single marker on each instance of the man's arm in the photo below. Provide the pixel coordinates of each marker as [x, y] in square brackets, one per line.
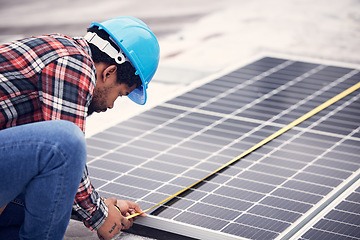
[88, 204]
[65, 90]
[66, 87]
[109, 216]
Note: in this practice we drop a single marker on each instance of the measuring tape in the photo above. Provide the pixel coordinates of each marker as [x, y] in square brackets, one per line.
[266, 140]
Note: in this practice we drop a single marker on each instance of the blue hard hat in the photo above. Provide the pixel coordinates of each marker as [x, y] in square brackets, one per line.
[140, 45]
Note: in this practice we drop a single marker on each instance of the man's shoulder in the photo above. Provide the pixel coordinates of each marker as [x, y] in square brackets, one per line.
[65, 45]
[48, 46]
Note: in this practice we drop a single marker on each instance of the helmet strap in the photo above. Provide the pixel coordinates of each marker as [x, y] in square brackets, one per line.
[106, 47]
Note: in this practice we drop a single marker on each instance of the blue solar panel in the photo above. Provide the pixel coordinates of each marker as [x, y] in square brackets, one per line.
[341, 222]
[153, 155]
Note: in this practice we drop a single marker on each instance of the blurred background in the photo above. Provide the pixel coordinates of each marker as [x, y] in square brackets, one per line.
[215, 32]
[199, 37]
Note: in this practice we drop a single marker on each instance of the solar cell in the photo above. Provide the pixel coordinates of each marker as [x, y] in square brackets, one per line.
[341, 221]
[267, 193]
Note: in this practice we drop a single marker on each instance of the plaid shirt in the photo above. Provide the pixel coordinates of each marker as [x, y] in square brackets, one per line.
[51, 77]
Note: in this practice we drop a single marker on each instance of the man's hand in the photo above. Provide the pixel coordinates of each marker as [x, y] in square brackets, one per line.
[115, 220]
[128, 208]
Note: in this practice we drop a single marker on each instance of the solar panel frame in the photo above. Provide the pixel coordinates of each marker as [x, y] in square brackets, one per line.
[253, 132]
[310, 229]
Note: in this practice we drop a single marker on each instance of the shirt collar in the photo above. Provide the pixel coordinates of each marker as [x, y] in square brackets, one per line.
[83, 43]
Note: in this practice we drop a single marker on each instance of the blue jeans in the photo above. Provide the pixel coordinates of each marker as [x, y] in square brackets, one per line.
[41, 165]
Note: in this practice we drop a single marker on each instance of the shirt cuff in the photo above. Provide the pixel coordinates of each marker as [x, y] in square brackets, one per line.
[98, 217]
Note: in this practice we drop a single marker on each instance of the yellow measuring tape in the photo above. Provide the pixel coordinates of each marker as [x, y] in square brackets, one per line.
[266, 140]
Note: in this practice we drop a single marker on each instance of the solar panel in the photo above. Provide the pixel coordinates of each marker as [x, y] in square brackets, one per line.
[269, 193]
[339, 222]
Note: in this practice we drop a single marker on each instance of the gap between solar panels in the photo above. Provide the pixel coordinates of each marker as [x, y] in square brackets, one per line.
[258, 145]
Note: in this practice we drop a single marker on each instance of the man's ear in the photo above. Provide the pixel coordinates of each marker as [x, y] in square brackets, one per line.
[109, 71]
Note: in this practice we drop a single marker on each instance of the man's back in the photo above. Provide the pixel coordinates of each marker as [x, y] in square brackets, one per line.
[45, 78]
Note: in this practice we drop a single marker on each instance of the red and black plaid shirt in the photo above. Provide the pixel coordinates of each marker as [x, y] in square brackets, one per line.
[51, 77]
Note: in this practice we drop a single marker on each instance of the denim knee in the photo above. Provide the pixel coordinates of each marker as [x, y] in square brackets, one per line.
[69, 137]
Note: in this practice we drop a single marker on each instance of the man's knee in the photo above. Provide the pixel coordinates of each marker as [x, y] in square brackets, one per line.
[59, 142]
[69, 138]
[68, 131]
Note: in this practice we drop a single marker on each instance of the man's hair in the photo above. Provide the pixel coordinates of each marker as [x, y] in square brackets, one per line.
[125, 71]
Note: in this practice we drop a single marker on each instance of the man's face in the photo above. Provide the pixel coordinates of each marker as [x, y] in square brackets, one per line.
[105, 96]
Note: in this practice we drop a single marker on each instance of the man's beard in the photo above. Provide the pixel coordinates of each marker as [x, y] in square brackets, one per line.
[91, 109]
[97, 102]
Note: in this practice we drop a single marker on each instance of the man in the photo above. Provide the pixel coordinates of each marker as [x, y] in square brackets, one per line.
[42, 162]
